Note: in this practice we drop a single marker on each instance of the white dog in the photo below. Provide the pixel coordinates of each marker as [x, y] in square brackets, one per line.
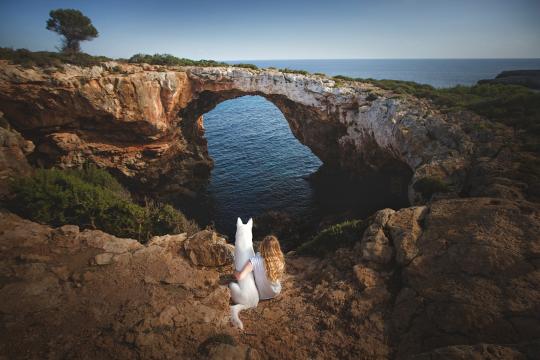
[244, 293]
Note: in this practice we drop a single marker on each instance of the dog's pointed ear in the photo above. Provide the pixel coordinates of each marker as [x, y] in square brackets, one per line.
[239, 222]
[250, 222]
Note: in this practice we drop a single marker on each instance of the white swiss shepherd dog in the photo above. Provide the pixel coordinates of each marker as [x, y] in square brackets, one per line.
[244, 294]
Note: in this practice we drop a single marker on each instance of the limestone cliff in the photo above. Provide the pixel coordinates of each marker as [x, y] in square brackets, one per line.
[13, 152]
[145, 122]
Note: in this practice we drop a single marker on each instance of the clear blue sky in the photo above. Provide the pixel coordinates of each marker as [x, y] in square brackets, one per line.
[289, 29]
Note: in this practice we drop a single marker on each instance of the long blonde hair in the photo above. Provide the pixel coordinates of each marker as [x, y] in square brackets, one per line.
[274, 261]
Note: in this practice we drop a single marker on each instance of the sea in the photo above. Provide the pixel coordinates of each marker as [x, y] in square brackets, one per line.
[260, 166]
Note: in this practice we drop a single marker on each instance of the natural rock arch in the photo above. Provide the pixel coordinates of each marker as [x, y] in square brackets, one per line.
[144, 122]
[299, 118]
[354, 127]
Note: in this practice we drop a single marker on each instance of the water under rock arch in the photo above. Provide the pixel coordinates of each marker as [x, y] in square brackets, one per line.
[260, 165]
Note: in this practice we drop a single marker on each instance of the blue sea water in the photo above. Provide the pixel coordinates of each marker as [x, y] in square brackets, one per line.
[261, 166]
[435, 72]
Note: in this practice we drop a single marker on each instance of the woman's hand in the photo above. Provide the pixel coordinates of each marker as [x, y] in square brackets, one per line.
[239, 275]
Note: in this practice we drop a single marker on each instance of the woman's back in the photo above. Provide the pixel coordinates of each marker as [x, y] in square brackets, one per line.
[267, 289]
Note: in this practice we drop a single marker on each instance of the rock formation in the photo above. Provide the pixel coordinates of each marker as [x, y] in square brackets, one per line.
[145, 122]
[455, 279]
[87, 294]
[13, 152]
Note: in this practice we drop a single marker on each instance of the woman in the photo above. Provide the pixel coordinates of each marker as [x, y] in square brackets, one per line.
[268, 266]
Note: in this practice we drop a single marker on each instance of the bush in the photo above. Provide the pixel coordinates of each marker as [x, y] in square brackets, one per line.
[171, 60]
[430, 185]
[101, 178]
[167, 220]
[292, 71]
[29, 58]
[246, 66]
[343, 77]
[336, 236]
[92, 198]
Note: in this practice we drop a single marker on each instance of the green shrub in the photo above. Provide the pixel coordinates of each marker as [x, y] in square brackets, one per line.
[171, 60]
[430, 185]
[319, 74]
[92, 198]
[93, 175]
[29, 58]
[343, 77]
[292, 71]
[334, 237]
[167, 220]
[246, 66]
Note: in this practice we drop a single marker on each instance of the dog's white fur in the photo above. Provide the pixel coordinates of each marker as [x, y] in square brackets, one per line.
[244, 293]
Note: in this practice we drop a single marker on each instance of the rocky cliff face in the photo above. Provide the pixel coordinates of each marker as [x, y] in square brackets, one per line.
[14, 150]
[145, 122]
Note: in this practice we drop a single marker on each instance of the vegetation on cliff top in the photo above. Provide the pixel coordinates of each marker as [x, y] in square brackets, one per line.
[294, 71]
[512, 105]
[29, 58]
[171, 60]
[92, 198]
[334, 237]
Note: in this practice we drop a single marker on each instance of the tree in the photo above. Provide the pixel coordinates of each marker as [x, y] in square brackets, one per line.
[73, 26]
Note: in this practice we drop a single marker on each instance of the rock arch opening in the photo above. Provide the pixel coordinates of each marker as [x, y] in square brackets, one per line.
[273, 158]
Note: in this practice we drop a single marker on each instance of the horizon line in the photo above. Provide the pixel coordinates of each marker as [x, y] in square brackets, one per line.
[298, 59]
[375, 58]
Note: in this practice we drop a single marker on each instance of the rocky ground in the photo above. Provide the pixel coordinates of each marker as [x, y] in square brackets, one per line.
[459, 279]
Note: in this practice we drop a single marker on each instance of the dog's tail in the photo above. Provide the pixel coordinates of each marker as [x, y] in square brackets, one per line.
[235, 312]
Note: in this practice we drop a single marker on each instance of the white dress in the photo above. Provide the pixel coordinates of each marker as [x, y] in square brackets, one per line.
[267, 289]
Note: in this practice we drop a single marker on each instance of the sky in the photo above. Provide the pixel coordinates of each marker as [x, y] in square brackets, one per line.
[288, 29]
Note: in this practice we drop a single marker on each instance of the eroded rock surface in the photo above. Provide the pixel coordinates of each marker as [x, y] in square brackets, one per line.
[13, 152]
[462, 280]
[208, 249]
[67, 293]
[145, 122]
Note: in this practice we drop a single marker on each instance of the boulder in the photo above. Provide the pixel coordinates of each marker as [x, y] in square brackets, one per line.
[207, 249]
[375, 246]
[404, 229]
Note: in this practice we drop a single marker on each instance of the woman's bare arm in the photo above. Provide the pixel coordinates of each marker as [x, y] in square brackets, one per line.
[239, 275]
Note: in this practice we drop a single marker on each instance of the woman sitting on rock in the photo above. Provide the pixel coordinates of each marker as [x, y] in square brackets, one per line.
[268, 266]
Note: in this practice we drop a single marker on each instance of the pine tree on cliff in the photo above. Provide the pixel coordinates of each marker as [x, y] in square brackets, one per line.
[73, 26]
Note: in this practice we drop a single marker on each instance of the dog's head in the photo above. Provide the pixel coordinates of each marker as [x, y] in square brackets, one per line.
[244, 236]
